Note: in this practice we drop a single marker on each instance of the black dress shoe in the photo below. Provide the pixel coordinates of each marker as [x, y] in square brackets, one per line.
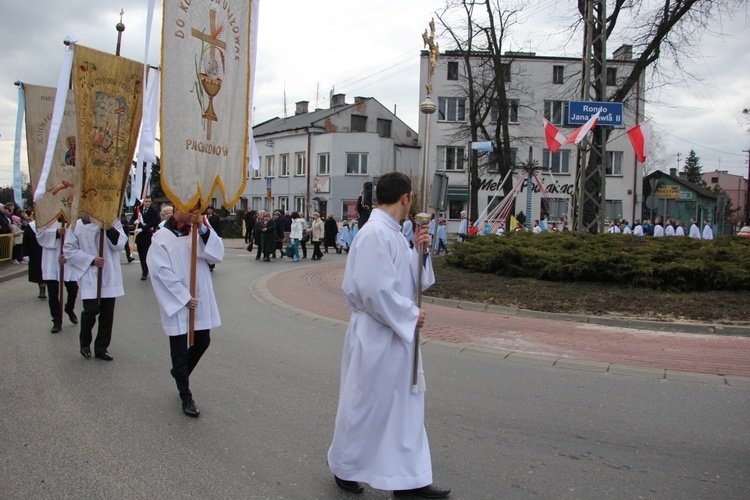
[56, 327]
[130, 259]
[104, 355]
[428, 491]
[189, 408]
[71, 315]
[143, 277]
[86, 352]
[348, 486]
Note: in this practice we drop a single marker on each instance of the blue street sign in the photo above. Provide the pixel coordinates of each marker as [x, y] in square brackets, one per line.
[579, 113]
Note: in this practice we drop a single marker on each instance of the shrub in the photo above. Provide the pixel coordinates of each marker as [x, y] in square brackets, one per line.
[673, 263]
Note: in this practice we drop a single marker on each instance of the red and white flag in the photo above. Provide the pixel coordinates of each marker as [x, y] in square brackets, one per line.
[555, 139]
[640, 137]
[581, 131]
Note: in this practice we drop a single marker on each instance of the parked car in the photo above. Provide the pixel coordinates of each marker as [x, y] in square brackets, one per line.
[745, 231]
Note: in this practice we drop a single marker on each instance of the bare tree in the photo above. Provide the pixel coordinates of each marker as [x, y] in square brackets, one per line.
[478, 30]
[671, 28]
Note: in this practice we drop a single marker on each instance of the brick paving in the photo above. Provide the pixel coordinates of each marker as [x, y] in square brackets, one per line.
[317, 290]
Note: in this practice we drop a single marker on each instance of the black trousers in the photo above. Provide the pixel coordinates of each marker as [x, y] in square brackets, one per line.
[304, 248]
[317, 254]
[106, 313]
[184, 358]
[142, 253]
[53, 298]
[127, 251]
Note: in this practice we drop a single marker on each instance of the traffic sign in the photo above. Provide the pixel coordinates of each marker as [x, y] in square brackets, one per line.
[579, 112]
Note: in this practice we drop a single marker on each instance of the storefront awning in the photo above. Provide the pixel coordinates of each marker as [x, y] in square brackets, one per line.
[458, 193]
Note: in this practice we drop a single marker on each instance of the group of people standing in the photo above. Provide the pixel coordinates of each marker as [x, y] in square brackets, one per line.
[290, 233]
[658, 229]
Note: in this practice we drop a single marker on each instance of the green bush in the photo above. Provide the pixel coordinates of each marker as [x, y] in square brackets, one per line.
[673, 263]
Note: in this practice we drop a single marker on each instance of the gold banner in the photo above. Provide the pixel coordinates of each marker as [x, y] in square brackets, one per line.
[63, 184]
[108, 92]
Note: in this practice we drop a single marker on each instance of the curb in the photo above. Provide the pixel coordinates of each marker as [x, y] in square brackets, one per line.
[636, 324]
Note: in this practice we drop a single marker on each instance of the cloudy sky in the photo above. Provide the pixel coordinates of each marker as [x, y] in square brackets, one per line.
[370, 48]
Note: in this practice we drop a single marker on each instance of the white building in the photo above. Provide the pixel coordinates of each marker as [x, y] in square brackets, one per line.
[538, 87]
[318, 161]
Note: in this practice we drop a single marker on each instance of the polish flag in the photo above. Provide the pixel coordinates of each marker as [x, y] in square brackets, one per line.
[640, 137]
[554, 138]
[581, 131]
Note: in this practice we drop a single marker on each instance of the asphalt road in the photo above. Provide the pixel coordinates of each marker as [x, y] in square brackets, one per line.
[268, 387]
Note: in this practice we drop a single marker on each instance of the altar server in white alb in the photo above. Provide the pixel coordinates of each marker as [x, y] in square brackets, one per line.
[50, 240]
[380, 437]
[81, 252]
[169, 264]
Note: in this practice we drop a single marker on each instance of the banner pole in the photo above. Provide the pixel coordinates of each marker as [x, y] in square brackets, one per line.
[62, 266]
[193, 259]
[420, 220]
[99, 270]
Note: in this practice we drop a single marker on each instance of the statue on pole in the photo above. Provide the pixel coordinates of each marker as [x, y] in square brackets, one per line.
[429, 41]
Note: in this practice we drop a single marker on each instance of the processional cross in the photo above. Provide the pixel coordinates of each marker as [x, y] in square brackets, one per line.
[210, 77]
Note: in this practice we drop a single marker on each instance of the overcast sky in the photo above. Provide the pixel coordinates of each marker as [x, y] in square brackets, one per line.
[369, 48]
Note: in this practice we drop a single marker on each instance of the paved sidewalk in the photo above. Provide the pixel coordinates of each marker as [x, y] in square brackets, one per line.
[315, 291]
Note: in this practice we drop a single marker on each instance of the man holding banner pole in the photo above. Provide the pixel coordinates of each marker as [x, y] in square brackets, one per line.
[92, 263]
[170, 258]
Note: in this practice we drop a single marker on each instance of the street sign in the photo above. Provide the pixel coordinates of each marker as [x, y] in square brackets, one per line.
[579, 112]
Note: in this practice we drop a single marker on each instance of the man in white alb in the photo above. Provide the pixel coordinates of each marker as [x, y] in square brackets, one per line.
[380, 437]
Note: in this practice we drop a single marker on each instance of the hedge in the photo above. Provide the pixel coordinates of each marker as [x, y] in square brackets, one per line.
[669, 263]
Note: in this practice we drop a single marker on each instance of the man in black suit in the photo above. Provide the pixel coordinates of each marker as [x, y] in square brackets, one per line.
[147, 220]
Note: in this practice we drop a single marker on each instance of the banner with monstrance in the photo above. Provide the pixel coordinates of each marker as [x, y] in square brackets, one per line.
[207, 66]
[62, 188]
[108, 91]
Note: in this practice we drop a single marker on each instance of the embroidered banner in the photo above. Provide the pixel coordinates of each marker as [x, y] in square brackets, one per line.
[205, 99]
[62, 188]
[108, 92]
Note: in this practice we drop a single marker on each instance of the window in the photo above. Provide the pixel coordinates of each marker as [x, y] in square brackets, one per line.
[614, 163]
[356, 163]
[284, 165]
[349, 209]
[494, 161]
[557, 74]
[558, 163]
[558, 208]
[454, 208]
[714, 180]
[450, 158]
[451, 109]
[553, 111]
[299, 205]
[613, 209]
[512, 111]
[452, 70]
[269, 166]
[256, 174]
[384, 128]
[359, 123]
[611, 77]
[257, 203]
[324, 164]
[284, 204]
[300, 165]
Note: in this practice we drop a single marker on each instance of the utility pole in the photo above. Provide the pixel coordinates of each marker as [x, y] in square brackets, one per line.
[678, 161]
[591, 170]
[747, 188]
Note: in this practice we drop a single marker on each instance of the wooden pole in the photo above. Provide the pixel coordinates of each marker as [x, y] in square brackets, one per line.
[62, 267]
[101, 269]
[193, 259]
